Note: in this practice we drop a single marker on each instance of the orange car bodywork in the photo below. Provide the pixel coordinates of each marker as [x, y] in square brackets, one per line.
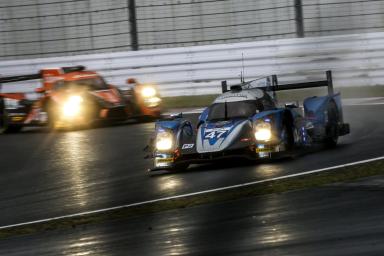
[110, 99]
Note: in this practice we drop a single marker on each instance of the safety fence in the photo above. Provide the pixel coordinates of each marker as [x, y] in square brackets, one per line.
[355, 60]
[51, 28]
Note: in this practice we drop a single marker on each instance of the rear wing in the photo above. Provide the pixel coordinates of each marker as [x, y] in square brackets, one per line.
[10, 79]
[322, 83]
[275, 86]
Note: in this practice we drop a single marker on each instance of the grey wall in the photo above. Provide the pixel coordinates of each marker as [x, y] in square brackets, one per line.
[44, 28]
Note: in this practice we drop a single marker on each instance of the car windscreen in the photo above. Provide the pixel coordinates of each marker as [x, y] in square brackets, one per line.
[92, 84]
[239, 109]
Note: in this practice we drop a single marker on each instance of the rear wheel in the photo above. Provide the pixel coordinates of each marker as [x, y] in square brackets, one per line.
[3, 121]
[332, 135]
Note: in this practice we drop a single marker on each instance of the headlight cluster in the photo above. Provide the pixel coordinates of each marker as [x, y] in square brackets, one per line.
[148, 92]
[263, 131]
[150, 96]
[72, 107]
[164, 141]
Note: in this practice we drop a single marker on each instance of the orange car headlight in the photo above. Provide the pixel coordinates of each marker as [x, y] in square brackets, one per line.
[72, 107]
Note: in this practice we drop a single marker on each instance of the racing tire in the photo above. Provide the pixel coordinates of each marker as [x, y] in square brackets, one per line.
[332, 135]
[5, 127]
[51, 116]
[287, 136]
[13, 129]
[3, 121]
[51, 122]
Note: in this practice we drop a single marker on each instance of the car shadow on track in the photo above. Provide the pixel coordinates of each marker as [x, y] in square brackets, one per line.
[234, 163]
[220, 165]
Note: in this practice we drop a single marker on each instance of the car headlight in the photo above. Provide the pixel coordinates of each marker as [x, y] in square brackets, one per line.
[164, 141]
[152, 102]
[148, 92]
[263, 131]
[72, 106]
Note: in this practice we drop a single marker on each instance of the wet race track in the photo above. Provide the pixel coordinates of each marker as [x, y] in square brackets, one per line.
[46, 175]
[332, 220]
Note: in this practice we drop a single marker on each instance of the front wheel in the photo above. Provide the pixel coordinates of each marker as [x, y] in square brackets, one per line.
[3, 122]
[5, 127]
[332, 135]
[52, 121]
[287, 141]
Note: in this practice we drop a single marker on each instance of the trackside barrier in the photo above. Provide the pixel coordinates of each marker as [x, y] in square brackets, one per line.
[354, 59]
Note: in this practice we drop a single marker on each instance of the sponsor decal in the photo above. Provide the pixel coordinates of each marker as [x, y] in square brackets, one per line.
[216, 133]
[263, 150]
[17, 118]
[85, 76]
[16, 114]
[234, 95]
[51, 78]
[164, 160]
[188, 146]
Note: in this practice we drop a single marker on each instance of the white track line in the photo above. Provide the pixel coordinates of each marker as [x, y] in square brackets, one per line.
[191, 194]
[364, 104]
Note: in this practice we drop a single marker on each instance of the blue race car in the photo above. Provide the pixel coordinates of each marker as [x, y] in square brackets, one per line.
[246, 121]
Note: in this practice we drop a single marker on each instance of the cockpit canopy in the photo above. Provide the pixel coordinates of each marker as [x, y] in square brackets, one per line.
[231, 109]
[91, 84]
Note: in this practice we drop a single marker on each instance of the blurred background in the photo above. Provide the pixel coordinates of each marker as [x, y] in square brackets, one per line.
[187, 47]
[45, 28]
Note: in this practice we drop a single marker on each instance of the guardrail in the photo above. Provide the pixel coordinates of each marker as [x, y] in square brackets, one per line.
[354, 59]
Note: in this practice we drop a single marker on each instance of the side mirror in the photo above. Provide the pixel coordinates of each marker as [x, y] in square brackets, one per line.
[176, 116]
[40, 90]
[131, 81]
[292, 105]
[224, 86]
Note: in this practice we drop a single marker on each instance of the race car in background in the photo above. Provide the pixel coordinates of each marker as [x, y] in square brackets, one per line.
[246, 121]
[72, 97]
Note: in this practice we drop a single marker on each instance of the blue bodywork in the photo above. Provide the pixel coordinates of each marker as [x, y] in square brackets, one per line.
[313, 118]
[290, 126]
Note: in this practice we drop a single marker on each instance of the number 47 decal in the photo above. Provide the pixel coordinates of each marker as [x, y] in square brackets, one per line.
[215, 134]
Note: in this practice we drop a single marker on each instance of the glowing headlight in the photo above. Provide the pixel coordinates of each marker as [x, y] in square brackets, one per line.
[263, 132]
[72, 107]
[164, 141]
[148, 92]
[152, 102]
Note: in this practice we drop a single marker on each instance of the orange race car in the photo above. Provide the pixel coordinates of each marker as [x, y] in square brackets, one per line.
[72, 97]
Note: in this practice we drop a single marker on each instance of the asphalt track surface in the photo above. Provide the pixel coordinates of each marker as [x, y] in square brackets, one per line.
[45, 175]
[341, 219]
